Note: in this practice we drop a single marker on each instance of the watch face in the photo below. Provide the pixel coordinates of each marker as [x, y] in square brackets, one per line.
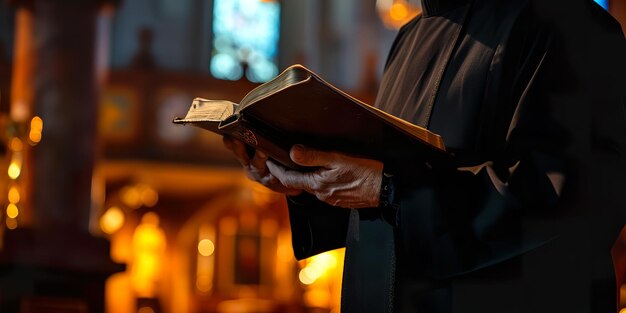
[172, 105]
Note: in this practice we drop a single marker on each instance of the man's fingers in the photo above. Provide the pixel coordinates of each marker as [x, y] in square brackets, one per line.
[258, 162]
[228, 142]
[290, 179]
[273, 183]
[239, 148]
[305, 156]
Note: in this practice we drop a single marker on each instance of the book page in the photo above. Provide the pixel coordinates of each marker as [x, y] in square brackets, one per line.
[209, 110]
[292, 75]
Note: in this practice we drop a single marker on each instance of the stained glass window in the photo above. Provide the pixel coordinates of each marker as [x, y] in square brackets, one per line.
[245, 38]
[603, 3]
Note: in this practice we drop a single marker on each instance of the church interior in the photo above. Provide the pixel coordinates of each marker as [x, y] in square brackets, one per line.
[107, 206]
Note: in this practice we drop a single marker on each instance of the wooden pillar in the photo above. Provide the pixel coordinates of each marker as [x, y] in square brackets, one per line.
[51, 263]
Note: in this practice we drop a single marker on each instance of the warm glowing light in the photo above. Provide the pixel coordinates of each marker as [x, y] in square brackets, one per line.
[112, 220]
[313, 271]
[14, 170]
[622, 310]
[131, 197]
[395, 13]
[36, 123]
[34, 136]
[304, 278]
[11, 223]
[16, 144]
[14, 195]
[398, 11]
[285, 253]
[325, 260]
[319, 298]
[148, 247]
[317, 266]
[206, 247]
[228, 226]
[12, 211]
[36, 127]
[149, 197]
[203, 283]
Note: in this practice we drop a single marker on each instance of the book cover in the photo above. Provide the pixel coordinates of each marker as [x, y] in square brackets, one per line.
[299, 107]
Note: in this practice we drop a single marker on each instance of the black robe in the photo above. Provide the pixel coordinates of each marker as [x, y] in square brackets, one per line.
[529, 96]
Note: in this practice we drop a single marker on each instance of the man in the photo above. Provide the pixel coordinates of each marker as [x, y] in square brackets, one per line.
[529, 97]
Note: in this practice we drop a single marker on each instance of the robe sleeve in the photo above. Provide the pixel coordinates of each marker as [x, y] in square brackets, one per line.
[317, 227]
[537, 186]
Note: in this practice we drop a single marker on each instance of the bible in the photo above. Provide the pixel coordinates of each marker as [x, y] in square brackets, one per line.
[299, 107]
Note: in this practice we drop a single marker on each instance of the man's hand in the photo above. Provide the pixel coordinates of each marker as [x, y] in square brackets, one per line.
[256, 168]
[340, 180]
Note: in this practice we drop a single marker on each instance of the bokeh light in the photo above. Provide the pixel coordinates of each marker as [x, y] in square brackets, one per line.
[36, 128]
[14, 170]
[14, 195]
[206, 247]
[12, 211]
[112, 220]
[11, 223]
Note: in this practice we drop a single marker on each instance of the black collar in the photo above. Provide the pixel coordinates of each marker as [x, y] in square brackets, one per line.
[436, 7]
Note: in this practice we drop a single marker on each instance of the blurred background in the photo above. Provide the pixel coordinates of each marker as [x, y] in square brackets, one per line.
[106, 206]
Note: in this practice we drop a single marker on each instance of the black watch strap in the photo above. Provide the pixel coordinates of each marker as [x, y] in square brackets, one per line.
[387, 204]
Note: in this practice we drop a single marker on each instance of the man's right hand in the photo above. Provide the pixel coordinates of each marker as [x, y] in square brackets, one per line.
[256, 167]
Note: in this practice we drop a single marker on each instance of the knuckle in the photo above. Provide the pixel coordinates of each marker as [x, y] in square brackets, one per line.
[322, 196]
[315, 184]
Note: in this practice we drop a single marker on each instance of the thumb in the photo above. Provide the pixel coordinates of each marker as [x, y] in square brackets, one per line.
[306, 156]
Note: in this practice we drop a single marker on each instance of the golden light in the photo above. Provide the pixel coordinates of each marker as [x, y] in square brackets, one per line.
[203, 283]
[622, 310]
[149, 197]
[14, 170]
[131, 197]
[304, 278]
[14, 195]
[325, 260]
[395, 13]
[16, 144]
[34, 136]
[11, 223]
[318, 298]
[36, 127]
[206, 247]
[12, 211]
[148, 244]
[313, 271]
[398, 11]
[112, 220]
[36, 123]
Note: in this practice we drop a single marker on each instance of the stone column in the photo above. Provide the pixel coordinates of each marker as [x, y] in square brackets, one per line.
[52, 262]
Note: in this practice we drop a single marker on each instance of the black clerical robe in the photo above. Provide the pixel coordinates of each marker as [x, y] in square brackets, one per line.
[529, 96]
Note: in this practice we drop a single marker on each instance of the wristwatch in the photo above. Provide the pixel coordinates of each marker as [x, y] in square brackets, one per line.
[387, 204]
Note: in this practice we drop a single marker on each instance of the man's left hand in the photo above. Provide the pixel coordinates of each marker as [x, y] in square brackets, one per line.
[339, 180]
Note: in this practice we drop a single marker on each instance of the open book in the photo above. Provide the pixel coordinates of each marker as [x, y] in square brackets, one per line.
[299, 107]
